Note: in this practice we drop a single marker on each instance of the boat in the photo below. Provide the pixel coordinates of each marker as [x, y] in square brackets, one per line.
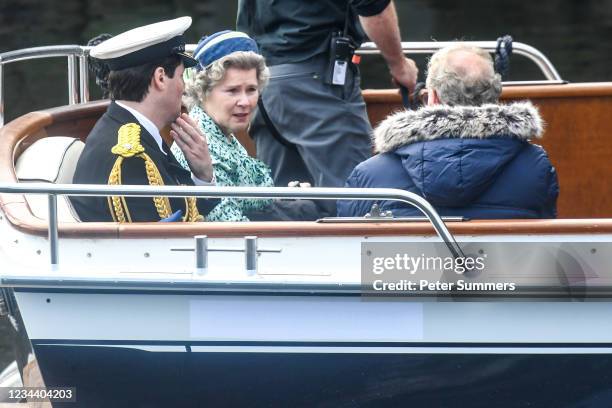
[276, 313]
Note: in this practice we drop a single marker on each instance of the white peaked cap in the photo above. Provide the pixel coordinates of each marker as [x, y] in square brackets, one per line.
[143, 44]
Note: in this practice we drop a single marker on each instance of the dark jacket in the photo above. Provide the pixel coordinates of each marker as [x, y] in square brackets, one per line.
[475, 162]
[97, 160]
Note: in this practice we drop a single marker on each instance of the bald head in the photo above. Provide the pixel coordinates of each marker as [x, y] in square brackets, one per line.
[463, 75]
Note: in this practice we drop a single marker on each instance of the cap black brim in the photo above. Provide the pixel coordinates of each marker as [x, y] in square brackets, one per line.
[188, 61]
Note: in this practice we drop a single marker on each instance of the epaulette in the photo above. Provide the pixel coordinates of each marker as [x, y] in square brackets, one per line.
[128, 141]
[128, 145]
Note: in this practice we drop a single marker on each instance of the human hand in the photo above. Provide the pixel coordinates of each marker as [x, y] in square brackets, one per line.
[405, 73]
[296, 183]
[192, 142]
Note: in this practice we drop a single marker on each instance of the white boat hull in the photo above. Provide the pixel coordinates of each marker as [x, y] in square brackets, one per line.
[256, 349]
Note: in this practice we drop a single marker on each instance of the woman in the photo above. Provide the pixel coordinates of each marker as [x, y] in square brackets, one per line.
[220, 96]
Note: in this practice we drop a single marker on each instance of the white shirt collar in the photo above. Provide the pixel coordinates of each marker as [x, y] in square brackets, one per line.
[146, 123]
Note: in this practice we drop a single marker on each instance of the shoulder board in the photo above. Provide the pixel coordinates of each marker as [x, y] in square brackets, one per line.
[128, 141]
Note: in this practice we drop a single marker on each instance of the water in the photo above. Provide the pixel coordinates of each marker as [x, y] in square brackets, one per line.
[573, 34]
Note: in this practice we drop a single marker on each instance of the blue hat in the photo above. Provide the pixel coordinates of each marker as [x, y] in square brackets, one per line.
[220, 44]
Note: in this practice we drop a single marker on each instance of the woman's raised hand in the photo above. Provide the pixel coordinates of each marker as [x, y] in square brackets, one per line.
[192, 142]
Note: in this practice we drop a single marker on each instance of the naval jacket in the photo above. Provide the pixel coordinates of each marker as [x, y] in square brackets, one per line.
[97, 160]
[475, 162]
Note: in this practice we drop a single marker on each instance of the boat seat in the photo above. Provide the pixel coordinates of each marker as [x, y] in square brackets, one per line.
[50, 160]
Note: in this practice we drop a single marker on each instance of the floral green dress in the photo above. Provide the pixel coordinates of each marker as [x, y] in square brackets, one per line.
[232, 167]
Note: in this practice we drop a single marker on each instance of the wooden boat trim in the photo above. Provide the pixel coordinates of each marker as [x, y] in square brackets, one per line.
[513, 92]
[21, 132]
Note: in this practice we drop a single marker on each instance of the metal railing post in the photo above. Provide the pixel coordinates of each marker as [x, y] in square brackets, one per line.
[73, 84]
[83, 78]
[250, 255]
[201, 254]
[53, 234]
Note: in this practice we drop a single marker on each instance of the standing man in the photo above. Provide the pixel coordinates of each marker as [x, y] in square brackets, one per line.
[314, 98]
[125, 146]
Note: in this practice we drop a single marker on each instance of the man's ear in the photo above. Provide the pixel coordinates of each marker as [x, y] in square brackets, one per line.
[432, 97]
[158, 81]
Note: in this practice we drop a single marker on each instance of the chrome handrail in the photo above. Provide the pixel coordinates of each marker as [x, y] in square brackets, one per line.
[46, 51]
[429, 47]
[78, 83]
[76, 89]
[318, 193]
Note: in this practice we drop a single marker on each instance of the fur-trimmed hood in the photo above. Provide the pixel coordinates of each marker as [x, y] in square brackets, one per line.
[519, 120]
[474, 162]
[454, 154]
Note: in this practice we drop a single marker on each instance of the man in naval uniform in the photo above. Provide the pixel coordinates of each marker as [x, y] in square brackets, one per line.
[126, 147]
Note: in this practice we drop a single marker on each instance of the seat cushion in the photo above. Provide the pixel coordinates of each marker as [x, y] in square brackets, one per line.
[50, 160]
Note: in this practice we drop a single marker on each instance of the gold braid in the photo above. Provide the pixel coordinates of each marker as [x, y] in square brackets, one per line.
[129, 146]
[193, 215]
[162, 204]
[117, 205]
